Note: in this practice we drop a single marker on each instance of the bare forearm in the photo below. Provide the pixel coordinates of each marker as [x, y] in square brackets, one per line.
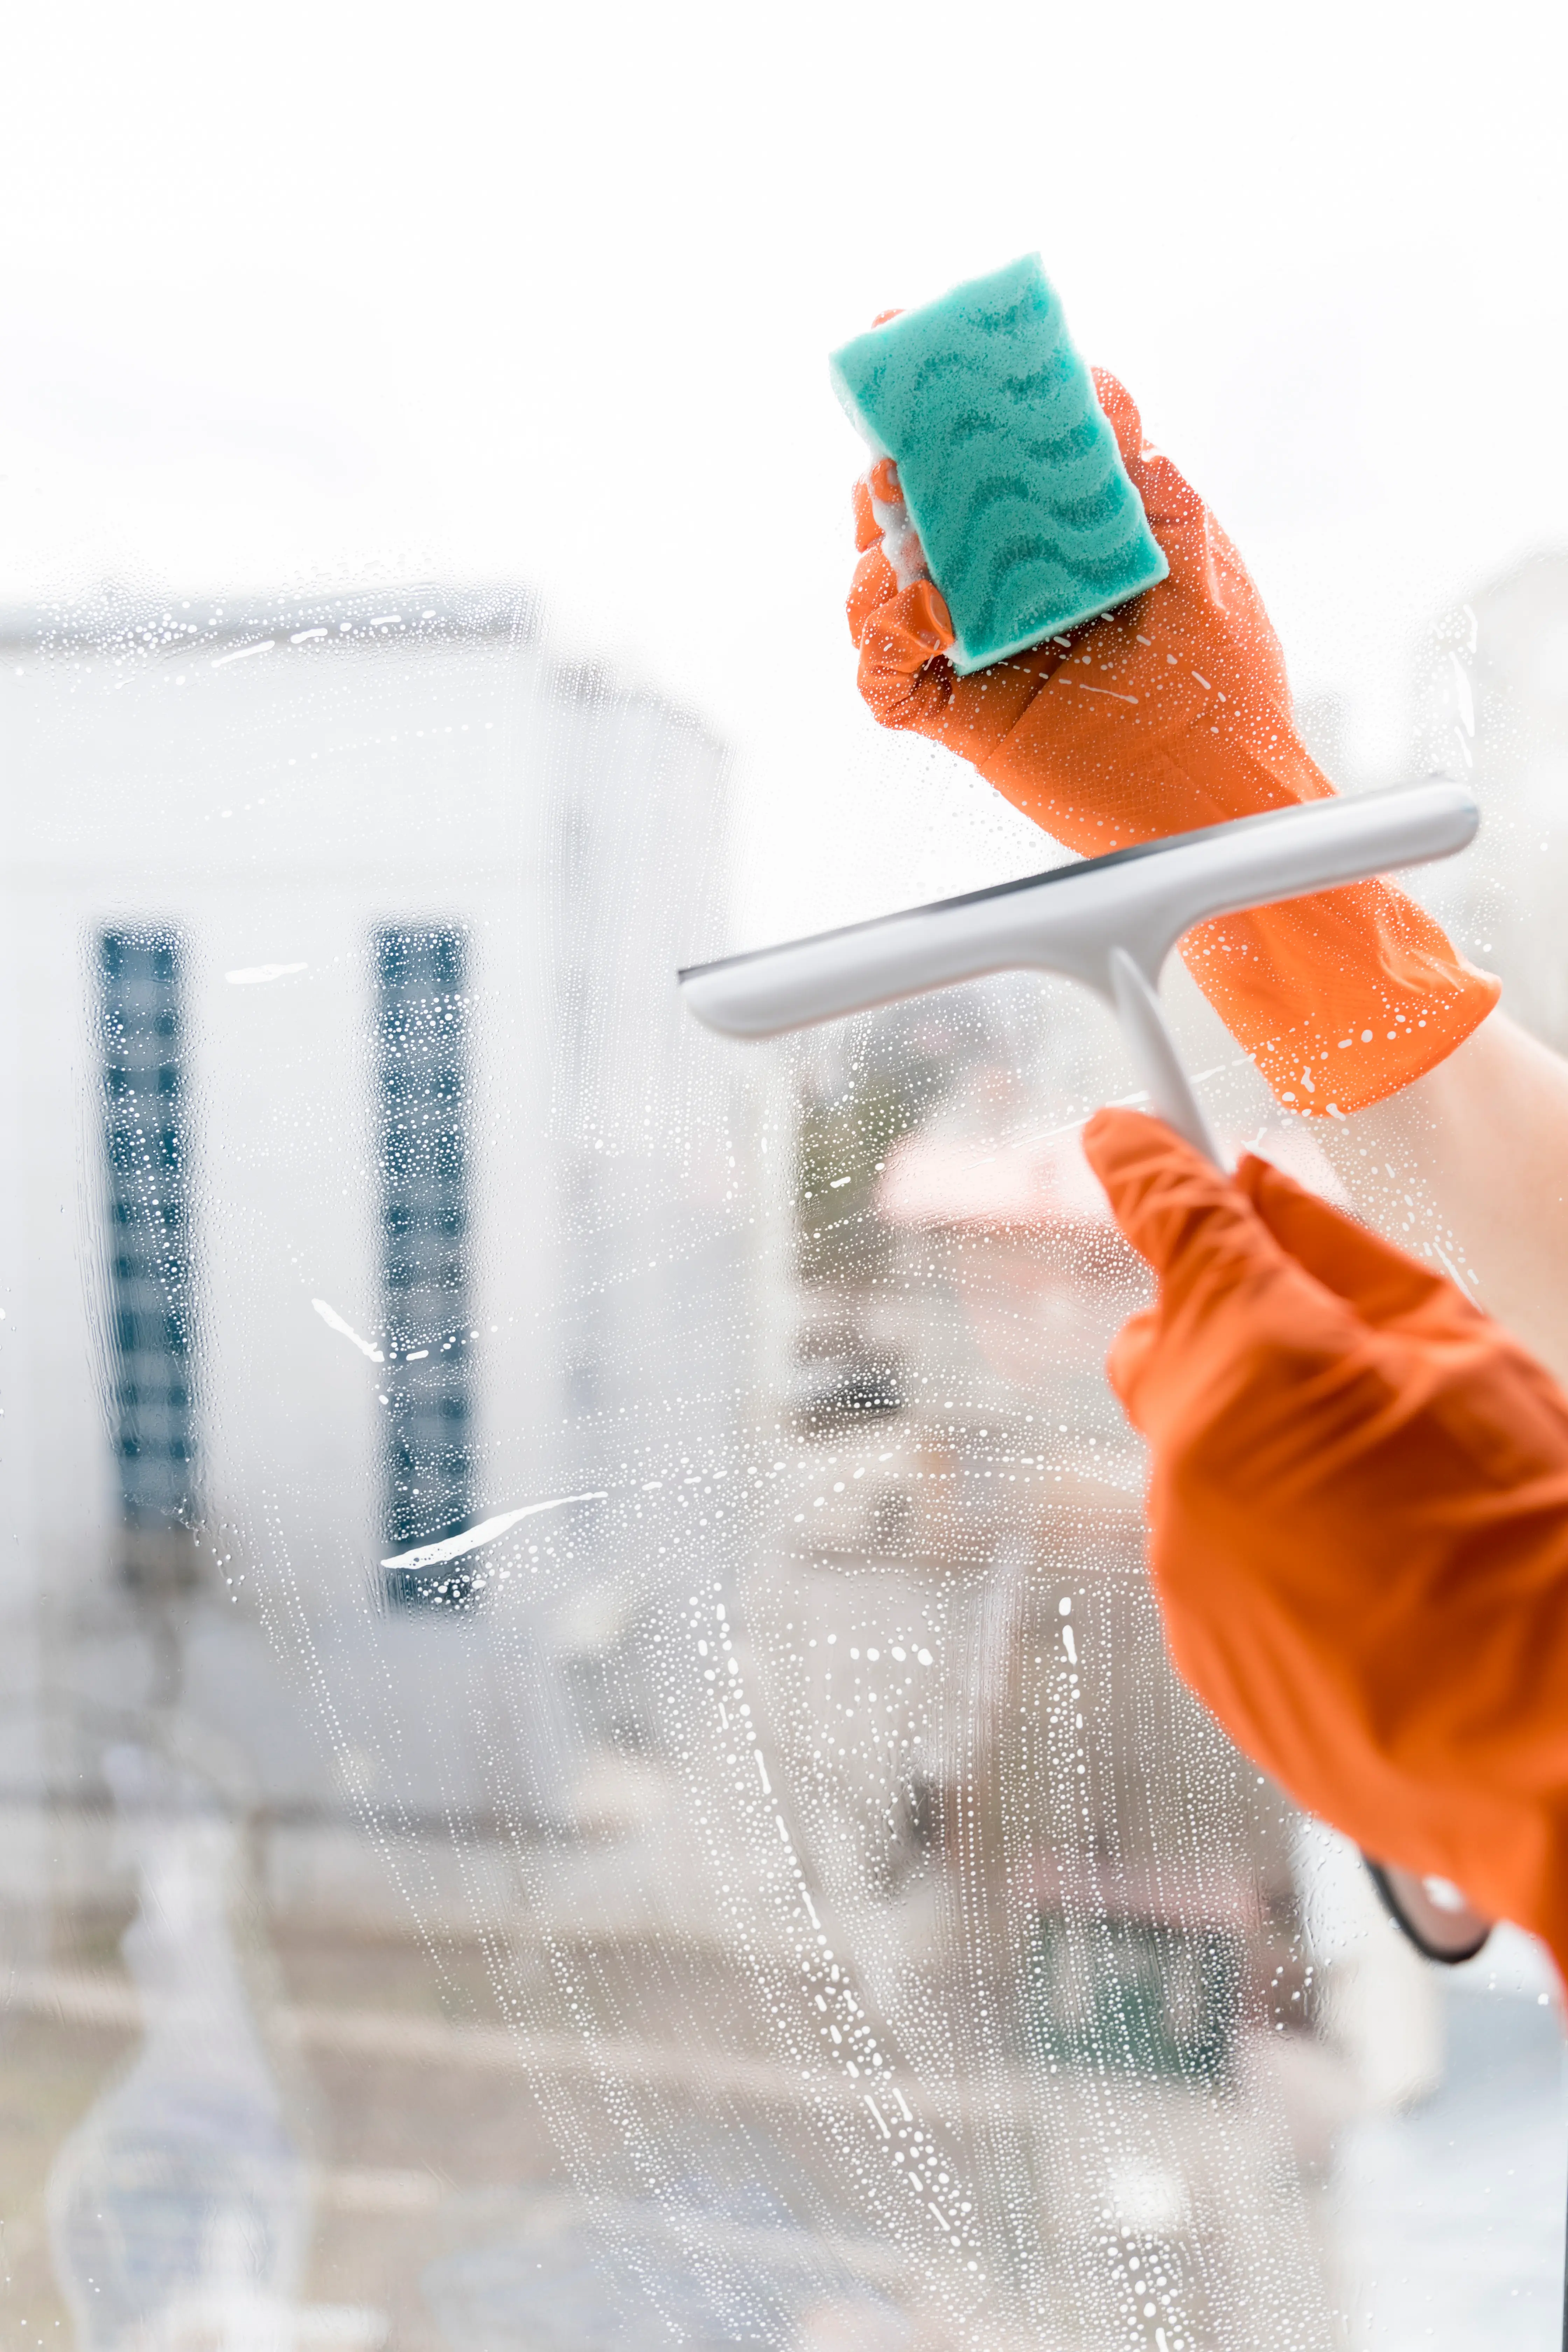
[1475, 1158]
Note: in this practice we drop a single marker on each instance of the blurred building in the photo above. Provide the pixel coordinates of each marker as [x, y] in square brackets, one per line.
[265, 966]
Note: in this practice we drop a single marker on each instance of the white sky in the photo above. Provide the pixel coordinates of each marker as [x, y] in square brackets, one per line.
[334, 292]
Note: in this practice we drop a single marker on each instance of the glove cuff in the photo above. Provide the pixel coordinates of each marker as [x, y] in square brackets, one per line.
[1344, 999]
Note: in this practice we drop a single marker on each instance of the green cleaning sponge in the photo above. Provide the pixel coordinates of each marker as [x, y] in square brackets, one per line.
[1008, 468]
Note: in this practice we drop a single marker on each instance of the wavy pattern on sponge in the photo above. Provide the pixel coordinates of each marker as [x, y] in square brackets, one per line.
[1009, 470]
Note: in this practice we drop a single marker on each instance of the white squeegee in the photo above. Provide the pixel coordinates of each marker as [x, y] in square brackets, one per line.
[1108, 921]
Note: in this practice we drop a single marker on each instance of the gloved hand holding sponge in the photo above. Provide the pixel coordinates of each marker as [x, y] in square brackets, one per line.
[1169, 712]
[1358, 1488]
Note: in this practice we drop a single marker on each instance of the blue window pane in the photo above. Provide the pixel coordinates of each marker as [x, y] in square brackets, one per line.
[153, 1436]
[422, 1091]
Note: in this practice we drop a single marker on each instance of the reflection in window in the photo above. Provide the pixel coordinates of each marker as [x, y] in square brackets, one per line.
[147, 1158]
[421, 1038]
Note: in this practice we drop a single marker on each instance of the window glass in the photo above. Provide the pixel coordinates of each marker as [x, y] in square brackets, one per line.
[423, 1164]
[589, 1760]
[147, 1239]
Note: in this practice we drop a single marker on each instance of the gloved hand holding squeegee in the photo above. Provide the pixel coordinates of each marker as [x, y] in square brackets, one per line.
[1358, 1514]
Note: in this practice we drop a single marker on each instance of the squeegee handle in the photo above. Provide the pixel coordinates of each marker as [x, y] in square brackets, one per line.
[1155, 1059]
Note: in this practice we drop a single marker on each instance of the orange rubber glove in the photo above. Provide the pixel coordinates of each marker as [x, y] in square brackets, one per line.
[1170, 713]
[1358, 1505]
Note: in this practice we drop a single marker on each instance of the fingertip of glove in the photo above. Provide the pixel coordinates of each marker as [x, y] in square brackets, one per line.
[1158, 1186]
[1117, 1140]
[913, 626]
[884, 483]
[874, 587]
[927, 616]
[866, 531]
[1112, 1119]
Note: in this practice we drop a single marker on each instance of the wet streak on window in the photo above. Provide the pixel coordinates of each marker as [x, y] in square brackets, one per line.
[421, 1087]
[147, 1166]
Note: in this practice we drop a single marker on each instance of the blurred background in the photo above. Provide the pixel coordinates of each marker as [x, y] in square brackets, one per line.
[586, 1761]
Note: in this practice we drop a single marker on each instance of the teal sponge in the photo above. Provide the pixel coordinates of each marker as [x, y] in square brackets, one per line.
[1008, 468]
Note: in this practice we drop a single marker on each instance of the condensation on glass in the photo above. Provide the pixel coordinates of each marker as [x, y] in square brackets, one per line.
[589, 1758]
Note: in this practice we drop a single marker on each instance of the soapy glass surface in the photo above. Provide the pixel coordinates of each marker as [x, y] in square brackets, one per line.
[427, 1921]
[592, 1746]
